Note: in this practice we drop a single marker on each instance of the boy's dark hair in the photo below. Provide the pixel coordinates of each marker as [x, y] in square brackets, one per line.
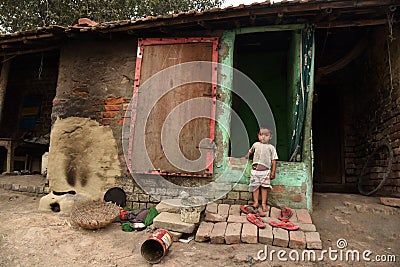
[264, 128]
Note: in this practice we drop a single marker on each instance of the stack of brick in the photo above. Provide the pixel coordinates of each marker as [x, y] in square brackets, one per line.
[224, 224]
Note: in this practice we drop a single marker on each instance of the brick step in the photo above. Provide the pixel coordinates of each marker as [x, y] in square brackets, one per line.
[236, 229]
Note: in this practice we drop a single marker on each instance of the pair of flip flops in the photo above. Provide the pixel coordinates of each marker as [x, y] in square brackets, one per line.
[252, 210]
[285, 223]
[256, 219]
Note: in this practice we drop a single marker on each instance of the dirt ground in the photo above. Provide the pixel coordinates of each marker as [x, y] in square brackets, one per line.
[29, 237]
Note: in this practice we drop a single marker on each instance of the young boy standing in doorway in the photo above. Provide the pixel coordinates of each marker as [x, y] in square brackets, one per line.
[263, 167]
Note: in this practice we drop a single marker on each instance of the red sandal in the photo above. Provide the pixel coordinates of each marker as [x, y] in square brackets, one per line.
[256, 219]
[248, 209]
[286, 214]
[287, 225]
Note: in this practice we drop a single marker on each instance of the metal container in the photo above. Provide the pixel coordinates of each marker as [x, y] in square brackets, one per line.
[156, 246]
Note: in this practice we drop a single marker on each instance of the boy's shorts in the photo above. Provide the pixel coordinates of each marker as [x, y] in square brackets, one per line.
[259, 178]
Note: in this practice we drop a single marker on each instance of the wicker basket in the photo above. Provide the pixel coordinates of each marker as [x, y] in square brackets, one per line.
[95, 215]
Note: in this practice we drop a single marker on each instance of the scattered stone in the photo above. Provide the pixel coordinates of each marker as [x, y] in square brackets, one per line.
[341, 220]
[204, 232]
[175, 235]
[388, 201]
[172, 221]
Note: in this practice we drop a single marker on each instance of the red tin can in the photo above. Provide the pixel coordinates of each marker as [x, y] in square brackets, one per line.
[156, 246]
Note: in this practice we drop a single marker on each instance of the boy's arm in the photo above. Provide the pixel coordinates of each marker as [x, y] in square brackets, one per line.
[251, 151]
[273, 169]
[248, 155]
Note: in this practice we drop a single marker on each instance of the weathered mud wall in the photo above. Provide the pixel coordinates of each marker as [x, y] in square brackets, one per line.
[95, 84]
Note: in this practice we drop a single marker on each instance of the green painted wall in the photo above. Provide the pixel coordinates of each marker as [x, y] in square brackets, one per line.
[269, 71]
[293, 183]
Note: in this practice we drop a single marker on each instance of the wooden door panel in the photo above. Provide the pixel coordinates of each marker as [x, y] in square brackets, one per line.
[186, 135]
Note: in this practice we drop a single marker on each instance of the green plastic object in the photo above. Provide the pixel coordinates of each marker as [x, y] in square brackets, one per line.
[151, 214]
[126, 227]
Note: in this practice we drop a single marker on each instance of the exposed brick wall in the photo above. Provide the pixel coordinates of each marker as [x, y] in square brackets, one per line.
[374, 113]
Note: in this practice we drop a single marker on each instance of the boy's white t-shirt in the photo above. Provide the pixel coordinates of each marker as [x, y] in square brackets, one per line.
[264, 154]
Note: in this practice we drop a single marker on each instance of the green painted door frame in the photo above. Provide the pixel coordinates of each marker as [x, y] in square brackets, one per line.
[291, 175]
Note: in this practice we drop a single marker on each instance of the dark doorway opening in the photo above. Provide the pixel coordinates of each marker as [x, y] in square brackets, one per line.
[266, 59]
[26, 117]
[339, 66]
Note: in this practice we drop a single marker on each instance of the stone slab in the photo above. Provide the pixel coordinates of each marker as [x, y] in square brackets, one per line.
[204, 231]
[281, 237]
[297, 239]
[175, 235]
[232, 233]
[169, 205]
[265, 235]
[249, 233]
[172, 221]
[217, 235]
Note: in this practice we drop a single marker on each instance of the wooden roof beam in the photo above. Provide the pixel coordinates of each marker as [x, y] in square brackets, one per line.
[25, 38]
